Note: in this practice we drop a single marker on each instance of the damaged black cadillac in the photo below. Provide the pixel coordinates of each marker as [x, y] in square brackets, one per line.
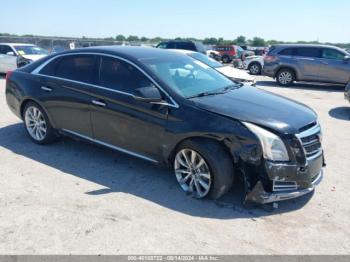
[168, 108]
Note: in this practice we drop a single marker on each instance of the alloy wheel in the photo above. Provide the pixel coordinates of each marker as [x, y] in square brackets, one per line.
[285, 77]
[254, 69]
[35, 123]
[192, 173]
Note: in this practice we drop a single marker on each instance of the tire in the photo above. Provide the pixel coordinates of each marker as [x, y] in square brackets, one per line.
[255, 68]
[226, 59]
[38, 125]
[211, 166]
[285, 77]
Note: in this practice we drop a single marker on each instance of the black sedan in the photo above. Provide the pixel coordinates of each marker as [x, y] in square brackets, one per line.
[168, 108]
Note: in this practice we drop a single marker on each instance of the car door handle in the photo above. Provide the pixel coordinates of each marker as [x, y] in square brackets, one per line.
[98, 103]
[46, 89]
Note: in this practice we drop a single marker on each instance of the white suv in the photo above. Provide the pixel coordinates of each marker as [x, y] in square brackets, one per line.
[254, 64]
[13, 55]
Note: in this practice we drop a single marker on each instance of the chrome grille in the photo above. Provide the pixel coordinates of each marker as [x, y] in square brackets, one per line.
[284, 185]
[311, 141]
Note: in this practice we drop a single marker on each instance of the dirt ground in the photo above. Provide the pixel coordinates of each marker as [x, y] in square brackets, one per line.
[76, 198]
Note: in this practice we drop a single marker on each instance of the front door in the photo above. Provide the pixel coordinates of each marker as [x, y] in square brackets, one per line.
[334, 68]
[121, 121]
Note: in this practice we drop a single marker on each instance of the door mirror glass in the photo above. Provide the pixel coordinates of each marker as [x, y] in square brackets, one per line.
[148, 94]
[10, 53]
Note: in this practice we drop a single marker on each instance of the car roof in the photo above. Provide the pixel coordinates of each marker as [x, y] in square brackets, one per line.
[133, 53]
[183, 51]
[17, 44]
[306, 45]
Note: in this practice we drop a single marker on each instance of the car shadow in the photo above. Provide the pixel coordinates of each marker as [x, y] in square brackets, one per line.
[304, 86]
[117, 172]
[342, 113]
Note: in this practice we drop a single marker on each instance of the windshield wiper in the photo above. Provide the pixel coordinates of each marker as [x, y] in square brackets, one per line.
[216, 92]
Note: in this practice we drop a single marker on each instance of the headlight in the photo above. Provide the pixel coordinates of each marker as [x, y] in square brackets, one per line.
[273, 147]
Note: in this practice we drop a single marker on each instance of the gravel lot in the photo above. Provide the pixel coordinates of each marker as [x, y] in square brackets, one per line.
[77, 198]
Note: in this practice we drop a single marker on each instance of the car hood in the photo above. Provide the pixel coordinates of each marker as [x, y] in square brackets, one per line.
[235, 73]
[260, 107]
[33, 57]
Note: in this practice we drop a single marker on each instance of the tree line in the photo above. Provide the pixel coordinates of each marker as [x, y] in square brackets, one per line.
[240, 40]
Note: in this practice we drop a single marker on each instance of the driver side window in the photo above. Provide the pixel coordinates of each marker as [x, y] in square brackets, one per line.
[120, 76]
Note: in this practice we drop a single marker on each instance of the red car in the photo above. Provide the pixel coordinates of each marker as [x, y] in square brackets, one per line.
[229, 52]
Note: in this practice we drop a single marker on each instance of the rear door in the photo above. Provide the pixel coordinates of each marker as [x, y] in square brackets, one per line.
[65, 84]
[308, 62]
[121, 121]
[334, 67]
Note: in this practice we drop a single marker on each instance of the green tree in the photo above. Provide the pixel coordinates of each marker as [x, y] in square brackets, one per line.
[120, 38]
[132, 38]
[210, 41]
[257, 41]
[144, 39]
[240, 40]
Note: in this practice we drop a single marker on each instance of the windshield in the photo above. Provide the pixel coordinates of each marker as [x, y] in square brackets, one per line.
[206, 60]
[30, 50]
[187, 76]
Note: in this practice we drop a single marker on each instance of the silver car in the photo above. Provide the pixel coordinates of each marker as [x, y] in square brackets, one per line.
[309, 63]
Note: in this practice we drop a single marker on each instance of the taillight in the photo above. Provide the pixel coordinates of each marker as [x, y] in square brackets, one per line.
[269, 58]
[8, 75]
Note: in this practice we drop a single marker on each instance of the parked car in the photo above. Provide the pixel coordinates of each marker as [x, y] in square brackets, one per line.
[347, 92]
[254, 64]
[184, 45]
[214, 54]
[13, 55]
[229, 71]
[230, 52]
[209, 129]
[310, 63]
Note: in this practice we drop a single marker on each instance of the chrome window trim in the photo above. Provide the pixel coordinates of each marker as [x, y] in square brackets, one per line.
[37, 70]
[110, 146]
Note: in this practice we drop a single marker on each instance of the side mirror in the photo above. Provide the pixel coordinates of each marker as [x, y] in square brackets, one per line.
[10, 53]
[148, 94]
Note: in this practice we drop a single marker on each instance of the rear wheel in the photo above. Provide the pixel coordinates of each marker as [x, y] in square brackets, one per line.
[203, 169]
[255, 68]
[226, 59]
[285, 77]
[38, 125]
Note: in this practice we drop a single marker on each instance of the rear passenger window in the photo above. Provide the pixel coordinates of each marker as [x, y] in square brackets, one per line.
[78, 67]
[121, 76]
[186, 46]
[287, 51]
[308, 52]
[332, 54]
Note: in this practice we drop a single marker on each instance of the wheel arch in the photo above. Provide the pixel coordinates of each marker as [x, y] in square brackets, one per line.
[27, 100]
[171, 156]
[293, 69]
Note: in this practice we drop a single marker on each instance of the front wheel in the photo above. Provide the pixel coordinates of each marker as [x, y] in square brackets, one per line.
[203, 169]
[285, 77]
[38, 125]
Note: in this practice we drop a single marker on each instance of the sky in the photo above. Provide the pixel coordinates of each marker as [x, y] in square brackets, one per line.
[307, 20]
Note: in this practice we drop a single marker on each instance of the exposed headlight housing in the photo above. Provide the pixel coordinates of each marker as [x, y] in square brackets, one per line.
[273, 147]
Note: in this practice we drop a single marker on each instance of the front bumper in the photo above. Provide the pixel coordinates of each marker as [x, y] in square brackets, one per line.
[259, 195]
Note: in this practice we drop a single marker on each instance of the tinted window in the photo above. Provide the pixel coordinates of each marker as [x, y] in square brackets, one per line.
[308, 52]
[171, 45]
[4, 49]
[287, 51]
[121, 76]
[332, 54]
[186, 46]
[77, 67]
[162, 45]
